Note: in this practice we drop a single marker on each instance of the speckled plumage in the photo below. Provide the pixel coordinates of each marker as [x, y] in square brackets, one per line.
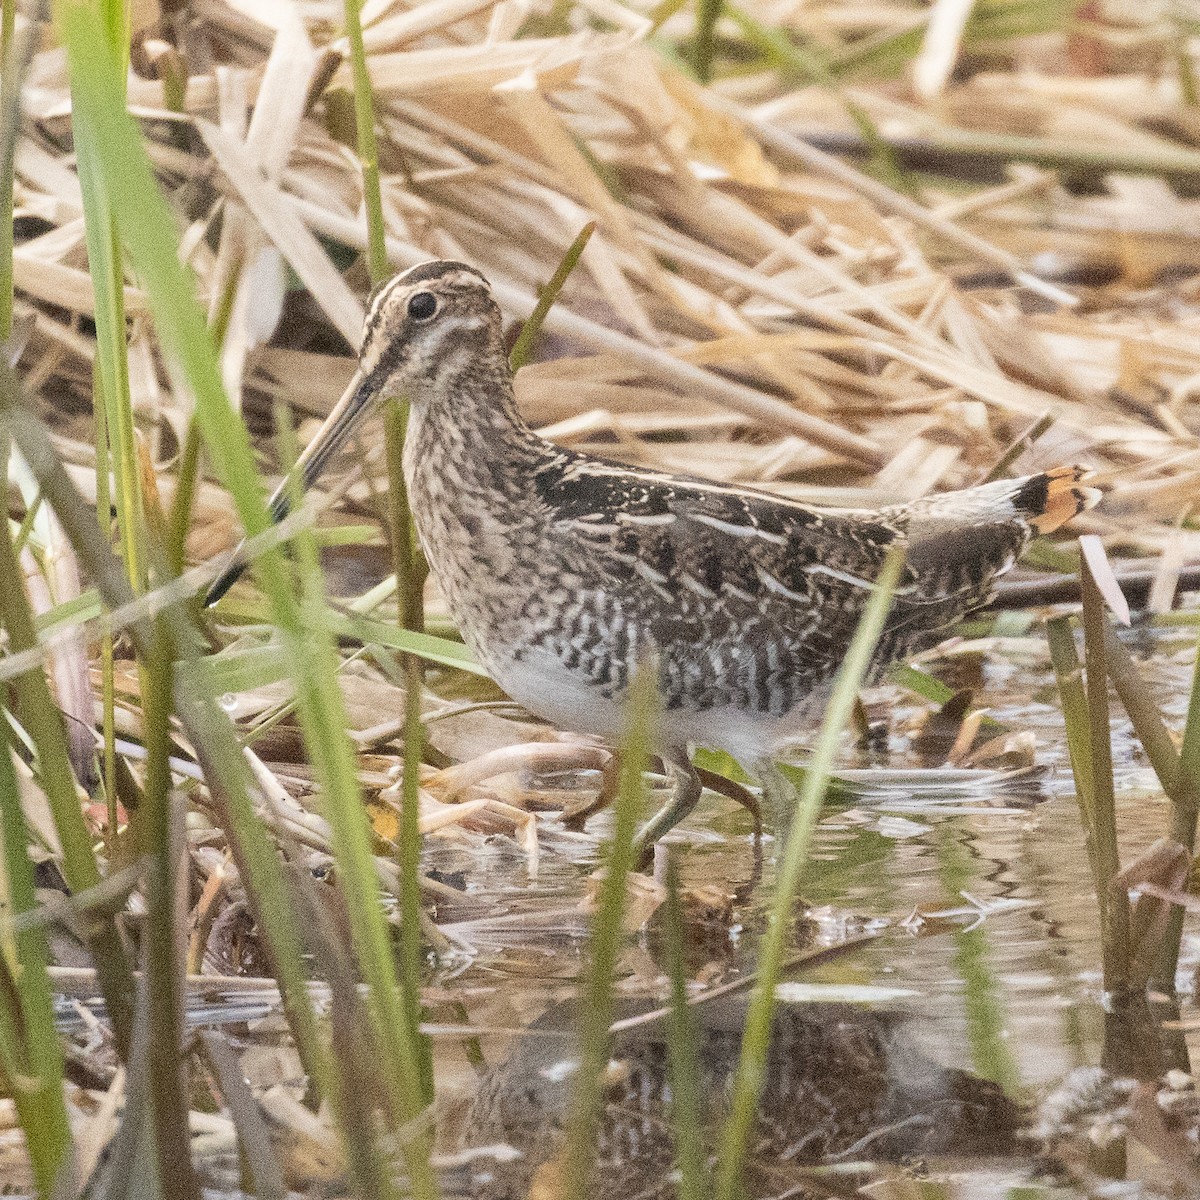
[564, 571]
[837, 1078]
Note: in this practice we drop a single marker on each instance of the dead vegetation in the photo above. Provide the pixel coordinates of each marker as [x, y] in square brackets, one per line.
[1007, 243]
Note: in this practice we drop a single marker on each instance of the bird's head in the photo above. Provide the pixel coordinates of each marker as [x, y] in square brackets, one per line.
[426, 330]
[424, 324]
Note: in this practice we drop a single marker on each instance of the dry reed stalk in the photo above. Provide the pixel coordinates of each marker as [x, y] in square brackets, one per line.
[748, 309]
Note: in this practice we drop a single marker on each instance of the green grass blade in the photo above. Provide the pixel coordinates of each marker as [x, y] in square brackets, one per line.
[368, 146]
[882, 57]
[1142, 711]
[11, 65]
[410, 581]
[683, 1056]
[921, 682]
[518, 356]
[708, 13]
[407, 561]
[274, 906]
[124, 171]
[108, 720]
[156, 827]
[1189, 751]
[108, 284]
[662, 12]
[322, 711]
[1185, 807]
[44, 721]
[1068, 671]
[1018, 447]
[185, 493]
[409, 863]
[425, 645]
[140, 208]
[1185, 71]
[270, 894]
[1114, 900]
[21, 537]
[748, 1081]
[982, 995]
[30, 1050]
[605, 942]
[410, 572]
[794, 61]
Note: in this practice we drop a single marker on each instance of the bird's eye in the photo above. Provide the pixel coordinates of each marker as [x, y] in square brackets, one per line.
[422, 306]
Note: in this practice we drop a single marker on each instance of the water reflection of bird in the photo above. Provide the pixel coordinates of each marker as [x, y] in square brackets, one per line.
[565, 571]
[842, 1084]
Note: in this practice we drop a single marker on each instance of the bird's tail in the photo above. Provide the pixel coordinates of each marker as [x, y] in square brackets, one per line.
[1052, 498]
[1040, 502]
[959, 543]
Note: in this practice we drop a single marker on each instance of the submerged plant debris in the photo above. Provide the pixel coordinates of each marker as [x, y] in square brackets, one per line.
[880, 251]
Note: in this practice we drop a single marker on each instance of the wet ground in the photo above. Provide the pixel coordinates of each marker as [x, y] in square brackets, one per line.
[949, 1032]
[975, 919]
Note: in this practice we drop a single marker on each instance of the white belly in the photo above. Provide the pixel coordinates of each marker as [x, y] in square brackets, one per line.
[540, 683]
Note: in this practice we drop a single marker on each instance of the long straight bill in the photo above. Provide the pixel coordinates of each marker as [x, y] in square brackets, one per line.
[356, 402]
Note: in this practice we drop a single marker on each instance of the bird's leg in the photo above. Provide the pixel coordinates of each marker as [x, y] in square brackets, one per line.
[685, 793]
[779, 797]
[610, 778]
[736, 792]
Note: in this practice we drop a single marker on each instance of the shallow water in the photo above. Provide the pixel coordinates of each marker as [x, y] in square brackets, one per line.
[986, 927]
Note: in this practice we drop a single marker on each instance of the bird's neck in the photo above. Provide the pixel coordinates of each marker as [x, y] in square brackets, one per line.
[465, 431]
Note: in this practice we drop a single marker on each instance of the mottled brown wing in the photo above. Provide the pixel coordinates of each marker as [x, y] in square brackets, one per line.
[694, 561]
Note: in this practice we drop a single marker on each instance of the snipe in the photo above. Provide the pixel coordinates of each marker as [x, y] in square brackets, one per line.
[564, 571]
[838, 1078]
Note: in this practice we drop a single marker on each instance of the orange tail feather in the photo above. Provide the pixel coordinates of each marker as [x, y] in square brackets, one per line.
[1064, 498]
